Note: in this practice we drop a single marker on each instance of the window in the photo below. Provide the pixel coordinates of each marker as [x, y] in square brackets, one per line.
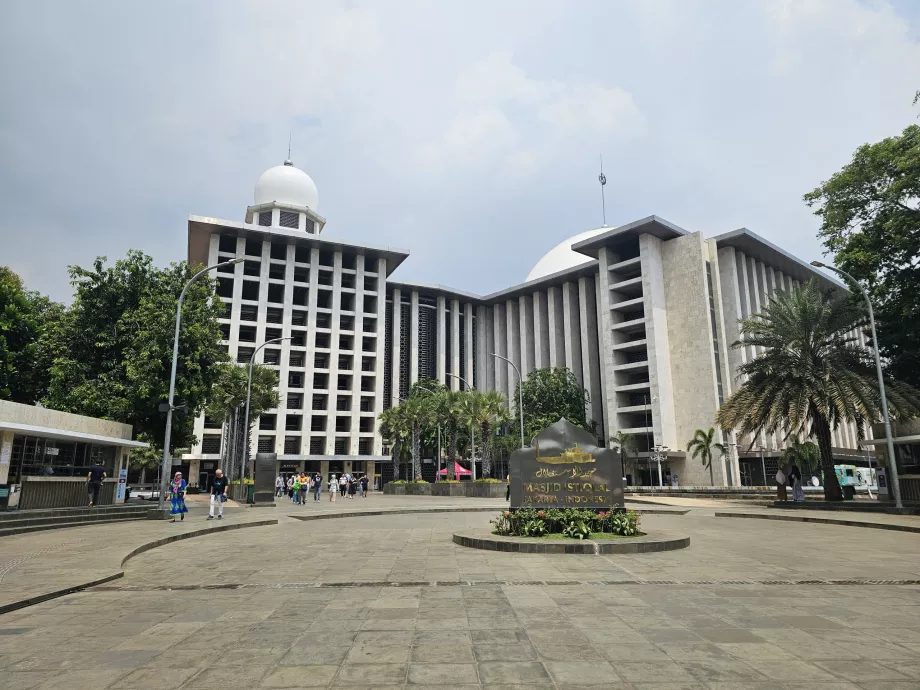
[266, 444]
[366, 425]
[265, 218]
[293, 422]
[279, 251]
[319, 402]
[310, 226]
[252, 268]
[370, 325]
[289, 219]
[227, 244]
[296, 359]
[324, 278]
[349, 261]
[321, 361]
[301, 296]
[318, 445]
[211, 423]
[249, 312]
[225, 287]
[301, 275]
[370, 305]
[250, 290]
[294, 401]
[348, 281]
[268, 422]
[318, 424]
[272, 333]
[367, 364]
[367, 384]
[276, 272]
[323, 341]
[273, 315]
[345, 362]
[210, 444]
[346, 301]
[292, 445]
[325, 258]
[247, 334]
[343, 424]
[365, 446]
[343, 403]
[347, 323]
[370, 284]
[343, 382]
[253, 247]
[298, 317]
[244, 354]
[298, 339]
[276, 294]
[324, 299]
[346, 342]
[367, 404]
[225, 331]
[320, 381]
[302, 255]
[369, 344]
[341, 446]
[271, 357]
[323, 321]
[295, 379]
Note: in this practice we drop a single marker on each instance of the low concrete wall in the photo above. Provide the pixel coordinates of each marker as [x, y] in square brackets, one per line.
[447, 489]
[467, 489]
[62, 492]
[418, 489]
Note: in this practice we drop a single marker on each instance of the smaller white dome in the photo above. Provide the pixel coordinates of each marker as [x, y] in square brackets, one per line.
[562, 256]
[286, 184]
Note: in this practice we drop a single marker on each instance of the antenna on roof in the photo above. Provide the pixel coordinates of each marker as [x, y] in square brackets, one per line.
[603, 180]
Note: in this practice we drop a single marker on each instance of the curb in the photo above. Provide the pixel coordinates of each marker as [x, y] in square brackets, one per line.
[413, 511]
[643, 544]
[31, 601]
[824, 521]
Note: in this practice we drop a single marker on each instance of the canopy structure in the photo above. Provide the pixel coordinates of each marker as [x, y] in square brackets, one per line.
[459, 471]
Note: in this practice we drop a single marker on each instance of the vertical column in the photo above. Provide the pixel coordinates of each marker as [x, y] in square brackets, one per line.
[454, 382]
[335, 351]
[605, 342]
[285, 347]
[540, 331]
[556, 327]
[483, 358]
[525, 308]
[572, 328]
[413, 338]
[468, 336]
[357, 393]
[311, 355]
[442, 347]
[381, 284]
[587, 319]
[395, 345]
[499, 347]
[513, 334]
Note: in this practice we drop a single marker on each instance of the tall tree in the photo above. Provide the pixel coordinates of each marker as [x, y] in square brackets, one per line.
[811, 374]
[490, 409]
[870, 223]
[394, 429]
[549, 394]
[114, 347]
[25, 357]
[701, 446]
[804, 454]
[624, 443]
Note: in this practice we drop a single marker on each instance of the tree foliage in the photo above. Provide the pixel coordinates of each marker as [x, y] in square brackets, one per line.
[549, 394]
[811, 374]
[870, 223]
[25, 351]
[114, 346]
[804, 454]
[701, 446]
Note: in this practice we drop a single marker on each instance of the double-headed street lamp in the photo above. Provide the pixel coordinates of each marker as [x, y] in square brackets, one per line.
[164, 470]
[893, 463]
[472, 438]
[244, 465]
[520, 393]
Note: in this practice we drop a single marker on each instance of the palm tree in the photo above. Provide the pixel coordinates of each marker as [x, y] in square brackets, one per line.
[811, 375]
[419, 413]
[804, 454]
[623, 443]
[702, 446]
[394, 429]
[489, 409]
[447, 413]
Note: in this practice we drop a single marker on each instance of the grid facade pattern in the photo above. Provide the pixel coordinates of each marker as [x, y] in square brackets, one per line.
[388, 356]
[427, 341]
[404, 349]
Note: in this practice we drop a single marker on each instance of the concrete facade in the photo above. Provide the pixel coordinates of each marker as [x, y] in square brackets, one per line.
[646, 323]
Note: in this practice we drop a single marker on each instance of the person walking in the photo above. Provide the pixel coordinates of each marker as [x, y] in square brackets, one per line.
[304, 488]
[342, 485]
[295, 489]
[279, 486]
[177, 497]
[317, 487]
[364, 486]
[290, 487]
[333, 488]
[352, 487]
[507, 487]
[218, 495]
[798, 493]
[94, 483]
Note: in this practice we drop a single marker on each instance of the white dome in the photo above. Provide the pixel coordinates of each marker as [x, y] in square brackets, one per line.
[562, 256]
[286, 184]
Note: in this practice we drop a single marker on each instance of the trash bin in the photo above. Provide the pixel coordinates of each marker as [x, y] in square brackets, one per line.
[250, 493]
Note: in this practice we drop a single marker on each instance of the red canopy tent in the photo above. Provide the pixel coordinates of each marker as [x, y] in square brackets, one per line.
[459, 471]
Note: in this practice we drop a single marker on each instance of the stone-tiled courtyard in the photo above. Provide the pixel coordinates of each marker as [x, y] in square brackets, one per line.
[384, 601]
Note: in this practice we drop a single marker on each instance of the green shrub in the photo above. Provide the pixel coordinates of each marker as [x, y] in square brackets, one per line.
[418, 481]
[577, 529]
[488, 480]
[574, 522]
[450, 481]
[398, 481]
[535, 528]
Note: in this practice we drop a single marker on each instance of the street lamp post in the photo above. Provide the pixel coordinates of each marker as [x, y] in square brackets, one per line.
[520, 393]
[763, 465]
[892, 461]
[245, 464]
[164, 470]
[659, 451]
[472, 438]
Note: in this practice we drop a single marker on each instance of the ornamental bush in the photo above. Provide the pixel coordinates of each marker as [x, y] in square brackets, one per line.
[576, 523]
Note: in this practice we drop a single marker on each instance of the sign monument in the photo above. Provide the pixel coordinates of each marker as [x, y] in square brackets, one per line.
[565, 468]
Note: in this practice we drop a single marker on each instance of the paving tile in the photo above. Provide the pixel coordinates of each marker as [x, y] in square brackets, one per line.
[862, 670]
[441, 674]
[576, 672]
[733, 635]
[505, 652]
[228, 677]
[512, 672]
[711, 670]
[156, 678]
[652, 671]
[300, 676]
[376, 654]
[372, 674]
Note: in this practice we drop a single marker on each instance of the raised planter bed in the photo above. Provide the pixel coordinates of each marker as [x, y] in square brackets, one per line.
[418, 489]
[484, 489]
[447, 489]
[394, 489]
[646, 543]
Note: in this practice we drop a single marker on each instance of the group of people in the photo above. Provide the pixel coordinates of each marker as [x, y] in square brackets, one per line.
[297, 486]
[790, 475]
[178, 487]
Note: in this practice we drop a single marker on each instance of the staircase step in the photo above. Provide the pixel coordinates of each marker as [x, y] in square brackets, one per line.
[18, 515]
[28, 520]
[23, 529]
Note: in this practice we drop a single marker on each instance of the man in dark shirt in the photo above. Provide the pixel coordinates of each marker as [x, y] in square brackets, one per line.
[94, 483]
[218, 495]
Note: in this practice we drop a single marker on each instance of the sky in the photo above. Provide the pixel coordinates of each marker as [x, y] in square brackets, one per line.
[468, 133]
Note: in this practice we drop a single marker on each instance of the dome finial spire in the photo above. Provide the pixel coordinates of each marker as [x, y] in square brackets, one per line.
[288, 161]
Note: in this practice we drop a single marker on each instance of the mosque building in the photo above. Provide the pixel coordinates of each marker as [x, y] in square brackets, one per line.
[643, 314]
